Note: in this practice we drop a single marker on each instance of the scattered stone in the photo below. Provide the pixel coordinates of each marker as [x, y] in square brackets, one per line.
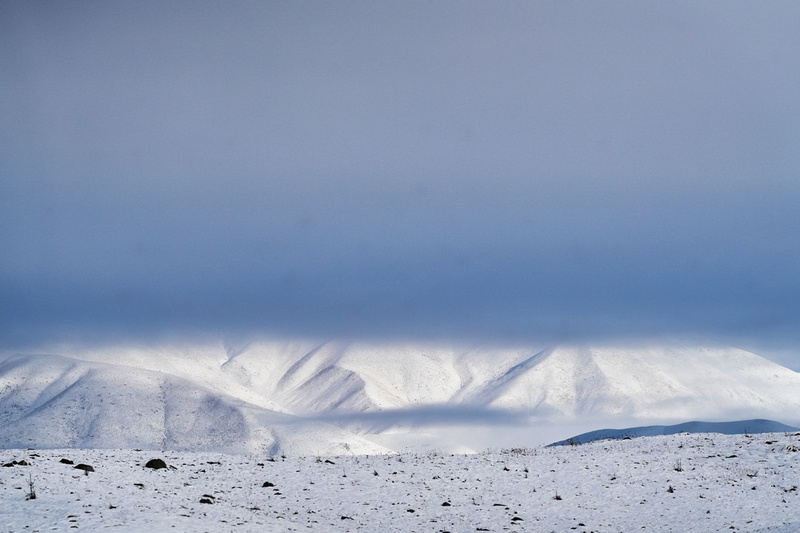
[268, 484]
[66, 462]
[155, 464]
[85, 468]
[329, 462]
[205, 500]
[519, 519]
[446, 504]
[16, 463]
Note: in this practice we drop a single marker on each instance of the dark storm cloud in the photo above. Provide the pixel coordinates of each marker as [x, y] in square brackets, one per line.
[503, 170]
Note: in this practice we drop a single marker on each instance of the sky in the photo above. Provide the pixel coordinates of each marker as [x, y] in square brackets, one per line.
[486, 171]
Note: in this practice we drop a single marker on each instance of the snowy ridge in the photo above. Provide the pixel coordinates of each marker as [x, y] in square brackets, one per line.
[740, 427]
[331, 397]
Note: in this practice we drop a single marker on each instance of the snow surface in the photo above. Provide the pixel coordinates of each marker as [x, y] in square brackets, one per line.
[687, 482]
[305, 397]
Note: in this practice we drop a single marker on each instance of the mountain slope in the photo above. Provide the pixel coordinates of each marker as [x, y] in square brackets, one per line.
[655, 382]
[352, 395]
[51, 401]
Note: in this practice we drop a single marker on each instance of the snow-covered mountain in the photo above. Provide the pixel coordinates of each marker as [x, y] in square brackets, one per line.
[49, 401]
[334, 397]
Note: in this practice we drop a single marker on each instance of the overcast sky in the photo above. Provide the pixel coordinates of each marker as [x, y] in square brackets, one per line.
[497, 171]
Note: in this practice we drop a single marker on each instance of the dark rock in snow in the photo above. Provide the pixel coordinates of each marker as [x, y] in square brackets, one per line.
[85, 468]
[66, 462]
[155, 464]
[268, 484]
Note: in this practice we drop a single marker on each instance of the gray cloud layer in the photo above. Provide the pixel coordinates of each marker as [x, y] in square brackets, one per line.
[494, 170]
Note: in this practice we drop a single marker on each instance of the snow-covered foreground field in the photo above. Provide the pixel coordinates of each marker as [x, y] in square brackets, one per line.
[697, 482]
